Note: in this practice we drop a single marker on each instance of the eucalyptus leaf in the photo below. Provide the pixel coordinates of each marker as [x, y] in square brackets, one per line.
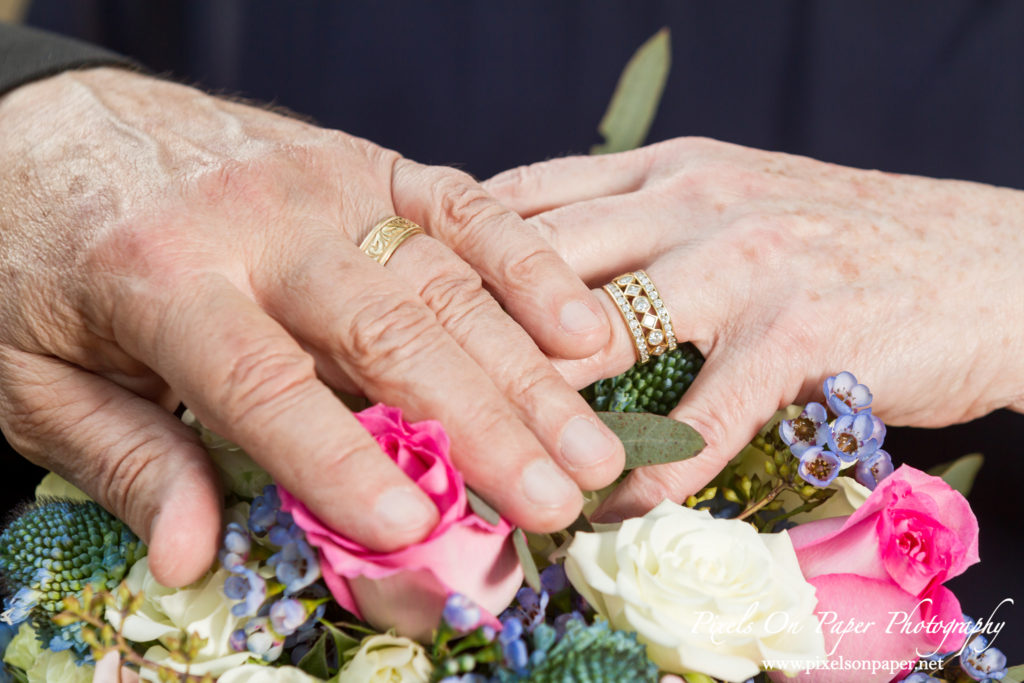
[530, 572]
[653, 439]
[479, 506]
[1015, 674]
[961, 472]
[635, 101]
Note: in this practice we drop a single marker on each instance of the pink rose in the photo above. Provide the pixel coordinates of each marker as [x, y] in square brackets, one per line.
[406, 589]
[879, 573]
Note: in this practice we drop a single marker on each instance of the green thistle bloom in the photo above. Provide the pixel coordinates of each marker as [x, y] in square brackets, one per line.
[654, 387]
[52, 550]
[586, 654]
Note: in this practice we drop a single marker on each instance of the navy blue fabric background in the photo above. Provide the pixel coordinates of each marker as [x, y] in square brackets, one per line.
[928, 87]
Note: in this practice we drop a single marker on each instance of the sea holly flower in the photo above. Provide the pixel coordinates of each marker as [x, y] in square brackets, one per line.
[807, 430]
[856, 437]
[873, 469]
[18, 608]
[845, 396]
[819, 467]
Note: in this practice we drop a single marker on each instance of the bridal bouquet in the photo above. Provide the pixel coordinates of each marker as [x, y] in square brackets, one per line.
[809, 556]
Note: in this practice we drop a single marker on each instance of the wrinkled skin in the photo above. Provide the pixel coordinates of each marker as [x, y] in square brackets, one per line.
[783, 270]
[160, 245]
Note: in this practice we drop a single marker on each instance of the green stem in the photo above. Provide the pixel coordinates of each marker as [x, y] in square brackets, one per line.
[769, 497]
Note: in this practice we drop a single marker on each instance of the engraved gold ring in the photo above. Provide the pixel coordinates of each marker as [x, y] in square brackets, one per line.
[385, 238]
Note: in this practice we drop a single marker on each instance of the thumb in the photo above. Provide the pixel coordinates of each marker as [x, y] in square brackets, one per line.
[130, 455]
[730, 400]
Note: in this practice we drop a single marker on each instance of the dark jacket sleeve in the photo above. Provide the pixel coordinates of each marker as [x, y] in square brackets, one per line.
[28, 54]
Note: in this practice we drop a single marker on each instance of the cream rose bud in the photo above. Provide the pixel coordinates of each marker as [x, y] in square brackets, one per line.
[386, 658]
[705, 595]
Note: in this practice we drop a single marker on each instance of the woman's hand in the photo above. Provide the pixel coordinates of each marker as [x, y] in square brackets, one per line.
[160, 245]
[783, 270]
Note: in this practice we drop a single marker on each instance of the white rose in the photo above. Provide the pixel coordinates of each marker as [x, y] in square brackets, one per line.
[42, 665]
[387, 659]
[24, 648]
[257, 673]
[705, 595]
[59, 666]
[200, 608]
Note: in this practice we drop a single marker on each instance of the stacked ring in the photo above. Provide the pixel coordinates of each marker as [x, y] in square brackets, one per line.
[387, 236]
[644, 312]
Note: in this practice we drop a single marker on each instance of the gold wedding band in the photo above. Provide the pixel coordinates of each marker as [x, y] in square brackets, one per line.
[644, 312]
[385, 238]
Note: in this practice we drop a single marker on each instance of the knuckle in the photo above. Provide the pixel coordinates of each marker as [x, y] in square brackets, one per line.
[526, 270]
[260, 376]
[119, 478]
[462, 207]
[455, 294]
[534, 386]
[384, 335]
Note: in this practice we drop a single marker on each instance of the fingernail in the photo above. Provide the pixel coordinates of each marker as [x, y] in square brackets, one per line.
[584, 444]
[577, 318]
[545, 485]
[402, 510]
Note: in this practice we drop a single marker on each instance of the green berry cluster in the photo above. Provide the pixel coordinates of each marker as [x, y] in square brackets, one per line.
[654, 387]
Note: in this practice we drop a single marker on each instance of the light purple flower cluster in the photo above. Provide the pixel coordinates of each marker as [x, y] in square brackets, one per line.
[855, 436]
[286, 621]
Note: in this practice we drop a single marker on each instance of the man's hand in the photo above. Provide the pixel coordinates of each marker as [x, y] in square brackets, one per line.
[160, 245]
[783, 270]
